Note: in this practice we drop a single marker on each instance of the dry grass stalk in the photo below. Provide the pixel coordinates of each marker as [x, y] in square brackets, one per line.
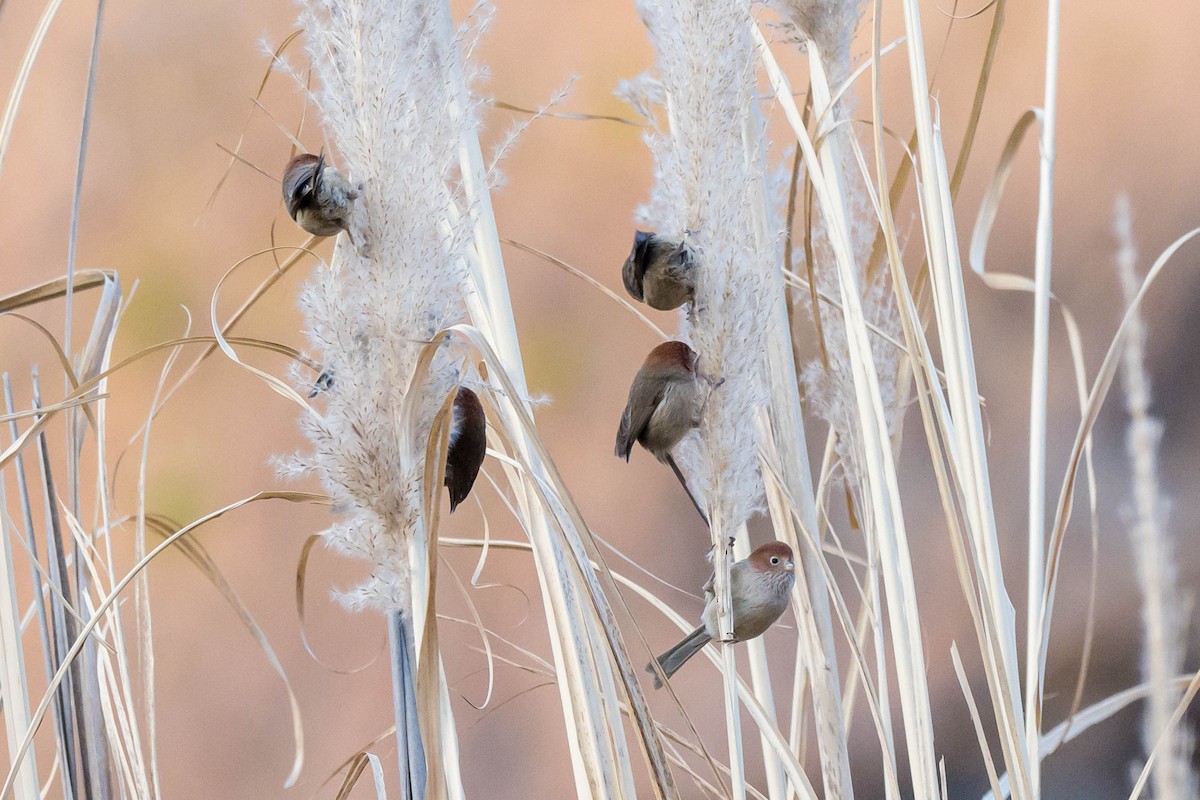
[1038, 399]
[1164, 616]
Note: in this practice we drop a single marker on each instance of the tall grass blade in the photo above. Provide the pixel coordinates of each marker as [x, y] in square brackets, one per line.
[85, 129]
[53, 289]
[409, 749]
[62, 628]
[45, 632]
[14, 684]
[1039, 394]
[9, 120]
[90, 362]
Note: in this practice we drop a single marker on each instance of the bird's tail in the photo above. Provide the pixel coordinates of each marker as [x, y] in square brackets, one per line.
[677, 656]
[670, 461]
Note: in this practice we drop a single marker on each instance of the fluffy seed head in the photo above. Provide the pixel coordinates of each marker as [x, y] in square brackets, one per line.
[708, 166]
[393, 102]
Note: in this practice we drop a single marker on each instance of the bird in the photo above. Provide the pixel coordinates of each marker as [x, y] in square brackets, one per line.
[324, 383]
[760, 586]
[318, 197]
[468, 445]
[666, 401]
[659, 271]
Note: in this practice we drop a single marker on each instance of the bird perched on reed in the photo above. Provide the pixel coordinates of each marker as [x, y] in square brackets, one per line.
[323, 383]
[660, 271]
[468, 445]
[468, 439]
[759, 585]
[666, 400]
[318, 197]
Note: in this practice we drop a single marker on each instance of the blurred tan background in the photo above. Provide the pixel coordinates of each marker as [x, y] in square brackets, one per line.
[175, 80]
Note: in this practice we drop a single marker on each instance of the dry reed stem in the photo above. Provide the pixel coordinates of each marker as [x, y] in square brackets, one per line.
[1164, 614]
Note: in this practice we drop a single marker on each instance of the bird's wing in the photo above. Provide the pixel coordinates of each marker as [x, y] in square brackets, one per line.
[468, 450]
[641, 256]
[737, 576]
[643, 400]
[634, 272]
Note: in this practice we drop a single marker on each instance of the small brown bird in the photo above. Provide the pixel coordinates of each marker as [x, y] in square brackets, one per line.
[468, 445]
[666, 401]
[660, 272]
[317, 196]
[760, 586]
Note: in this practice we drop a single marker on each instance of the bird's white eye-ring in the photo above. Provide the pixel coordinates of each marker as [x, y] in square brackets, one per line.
[774, 559]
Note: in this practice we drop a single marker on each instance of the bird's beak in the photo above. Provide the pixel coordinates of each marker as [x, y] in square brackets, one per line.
[790, 566]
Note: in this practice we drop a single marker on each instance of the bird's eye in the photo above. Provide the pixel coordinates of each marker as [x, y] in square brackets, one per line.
[774, 559]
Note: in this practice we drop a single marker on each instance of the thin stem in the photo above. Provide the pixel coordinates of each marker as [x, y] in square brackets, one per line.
[410, 753]
[85, 127]
[1037, 406]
